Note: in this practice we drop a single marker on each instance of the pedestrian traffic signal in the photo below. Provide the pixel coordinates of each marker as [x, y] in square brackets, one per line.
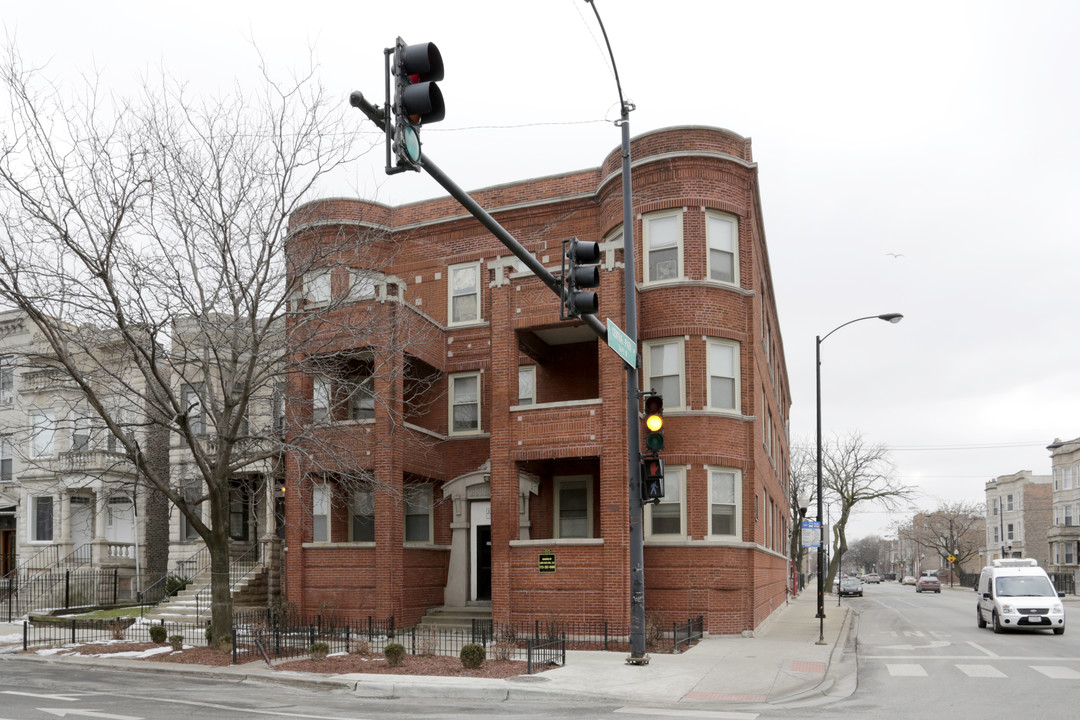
[417, 99]
[580, 271]
[654, 423]
[652, 479]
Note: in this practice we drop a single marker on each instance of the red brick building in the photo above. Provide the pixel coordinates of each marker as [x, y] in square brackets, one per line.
[457, 430]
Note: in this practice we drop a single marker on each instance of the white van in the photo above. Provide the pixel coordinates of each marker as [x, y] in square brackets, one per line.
[1017, 593]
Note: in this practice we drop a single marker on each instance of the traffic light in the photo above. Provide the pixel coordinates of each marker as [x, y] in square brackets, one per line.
[417, 99]
[652, 479]
[654, 423]
[580, 271]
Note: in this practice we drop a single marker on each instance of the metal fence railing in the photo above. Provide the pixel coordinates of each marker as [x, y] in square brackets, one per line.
[267, 634]
[689, 632]
[1064, 582]
[62, 590]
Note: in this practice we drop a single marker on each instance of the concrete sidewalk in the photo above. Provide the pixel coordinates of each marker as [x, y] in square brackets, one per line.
[782, 664]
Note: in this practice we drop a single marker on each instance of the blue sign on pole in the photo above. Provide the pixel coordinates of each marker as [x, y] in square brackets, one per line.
[811, 533]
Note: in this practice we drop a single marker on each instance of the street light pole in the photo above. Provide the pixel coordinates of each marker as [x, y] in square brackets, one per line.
[889, 317]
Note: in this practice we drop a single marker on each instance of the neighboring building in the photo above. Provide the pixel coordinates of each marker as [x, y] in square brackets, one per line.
[202, 382]
[69, 500]
[1064, 536]
[1018, 517]
[466, 447]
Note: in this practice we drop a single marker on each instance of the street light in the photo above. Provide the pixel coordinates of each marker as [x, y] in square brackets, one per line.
[889, 317]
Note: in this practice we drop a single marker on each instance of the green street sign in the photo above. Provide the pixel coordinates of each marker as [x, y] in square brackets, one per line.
[621, 343]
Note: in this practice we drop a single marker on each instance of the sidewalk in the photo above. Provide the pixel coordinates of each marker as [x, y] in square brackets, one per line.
[782, 664]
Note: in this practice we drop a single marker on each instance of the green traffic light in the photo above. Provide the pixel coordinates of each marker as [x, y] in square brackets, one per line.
[411, 143]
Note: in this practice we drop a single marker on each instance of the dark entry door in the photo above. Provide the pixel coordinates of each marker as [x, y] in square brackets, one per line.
[483, 562]
[7, 553]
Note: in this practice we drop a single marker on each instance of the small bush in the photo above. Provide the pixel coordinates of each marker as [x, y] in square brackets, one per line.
[319, 650]
[654, 628]
[427, 641]
[157, 634]
[361, 647]
[224, 644]
[174, 584]
[473, 656]
[177, 641]
[118, 629]
[502, 650]
[395, 654]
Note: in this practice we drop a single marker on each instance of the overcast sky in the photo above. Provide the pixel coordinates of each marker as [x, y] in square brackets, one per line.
[914, 157]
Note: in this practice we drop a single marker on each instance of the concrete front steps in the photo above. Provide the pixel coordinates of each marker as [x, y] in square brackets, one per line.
[456, 618]
[249, 592]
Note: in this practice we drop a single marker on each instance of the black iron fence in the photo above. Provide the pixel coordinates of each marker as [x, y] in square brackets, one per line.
[63, 590]
[1064, 582]
[683, 636]
[269, 635]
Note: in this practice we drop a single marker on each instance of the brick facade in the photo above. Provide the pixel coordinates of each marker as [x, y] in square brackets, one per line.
[555, 466]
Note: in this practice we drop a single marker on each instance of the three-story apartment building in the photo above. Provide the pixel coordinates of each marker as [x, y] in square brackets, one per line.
[1064, 536]
[467, 446]
[1018, 515]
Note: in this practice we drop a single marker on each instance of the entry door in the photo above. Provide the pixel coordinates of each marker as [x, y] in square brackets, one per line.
[82, 526]
[7, 551]
[480, 535]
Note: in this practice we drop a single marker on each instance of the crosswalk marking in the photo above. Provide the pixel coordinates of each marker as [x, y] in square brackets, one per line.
[981, 671]
[1054, 672]
[1057, 672]
[906, 670]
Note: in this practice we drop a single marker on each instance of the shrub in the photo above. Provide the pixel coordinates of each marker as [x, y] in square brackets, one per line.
[654, 628]
[395, 654]
[224, 644]
[118, 628]
[473, 656]
[174, 584]
[503, 650]
[157, 634]
[319, 650]
[361, 647]
[177, 641]
[427, 641]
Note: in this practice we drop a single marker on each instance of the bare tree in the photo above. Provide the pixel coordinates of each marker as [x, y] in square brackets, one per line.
[866, 553]
[802, 486]
[854, 473]
[956, 530]
[155, 228]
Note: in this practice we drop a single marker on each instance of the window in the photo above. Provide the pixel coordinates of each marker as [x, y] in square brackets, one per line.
[80, 432]
[995, 506]
[42, 429]
[190, 491]
[1068, 516]
[663, 246]
[41, 518]
[418, 515]
[724, 375]
[464, 293]
[320, 400]
[317, 287]
[1009, 532]
[191, 403]
[7, 381]
[1069, 560]
[725, 492]
[362, 523]
[6, 460]
[996, 538]
[320, 512]
[722, 232]
[464, 404]
[573, 507]
[663, 370]
[362, 398]
[1009, 502]
[362, 284]
[526, 385]
[667, 518]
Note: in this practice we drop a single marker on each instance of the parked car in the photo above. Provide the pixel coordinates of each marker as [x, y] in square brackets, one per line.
[909, 580]
[872, 578]
[928, 583]
[850, 586]
[1017, 593]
